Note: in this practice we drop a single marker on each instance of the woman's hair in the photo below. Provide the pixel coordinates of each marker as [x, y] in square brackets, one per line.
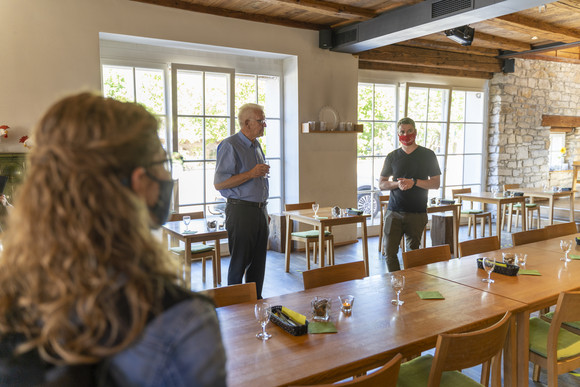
[81, 273]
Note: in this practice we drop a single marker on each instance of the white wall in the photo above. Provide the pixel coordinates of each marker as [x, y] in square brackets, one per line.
[50, 48]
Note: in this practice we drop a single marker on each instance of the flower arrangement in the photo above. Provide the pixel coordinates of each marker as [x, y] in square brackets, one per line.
[4, 131]
[563, 151]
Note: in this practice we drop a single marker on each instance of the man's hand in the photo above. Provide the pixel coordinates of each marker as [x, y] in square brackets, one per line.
[405, 184]
[260, 170]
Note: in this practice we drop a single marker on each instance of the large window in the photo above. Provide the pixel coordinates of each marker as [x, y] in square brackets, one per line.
[203, 110]
[449, 121]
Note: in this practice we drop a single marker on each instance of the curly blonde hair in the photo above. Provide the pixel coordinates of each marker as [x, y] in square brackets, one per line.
[81, 272]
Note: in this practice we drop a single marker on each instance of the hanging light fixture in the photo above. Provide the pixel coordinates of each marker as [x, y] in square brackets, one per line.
[462, 35]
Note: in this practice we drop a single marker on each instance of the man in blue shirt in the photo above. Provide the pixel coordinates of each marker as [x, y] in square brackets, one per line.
[241, 177]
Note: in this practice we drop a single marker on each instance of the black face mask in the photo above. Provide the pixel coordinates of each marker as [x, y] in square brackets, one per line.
[160, 210]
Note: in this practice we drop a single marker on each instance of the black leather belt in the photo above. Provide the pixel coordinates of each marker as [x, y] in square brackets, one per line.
[247, 203]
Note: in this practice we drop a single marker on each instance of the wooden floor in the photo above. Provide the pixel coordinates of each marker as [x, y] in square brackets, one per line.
[278, 282]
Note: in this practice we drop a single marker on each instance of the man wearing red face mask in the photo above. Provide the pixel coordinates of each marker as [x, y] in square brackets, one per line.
[408, 172]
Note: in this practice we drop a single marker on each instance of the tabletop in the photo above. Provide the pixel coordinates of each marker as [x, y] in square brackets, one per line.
[372, 335]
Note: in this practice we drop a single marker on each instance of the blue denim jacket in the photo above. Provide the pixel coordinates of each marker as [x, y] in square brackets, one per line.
[180, 347]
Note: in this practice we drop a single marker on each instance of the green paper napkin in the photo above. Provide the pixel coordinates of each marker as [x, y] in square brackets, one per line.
[430, 295]
[321, 327]
[528, 272]
[189, 232]
[573, 256]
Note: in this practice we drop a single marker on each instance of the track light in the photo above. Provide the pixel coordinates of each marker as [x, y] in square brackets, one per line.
[462, 35]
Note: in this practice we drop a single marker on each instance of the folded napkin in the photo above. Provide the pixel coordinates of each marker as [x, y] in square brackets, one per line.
[528, 272]
[189, 232]
[299, 318]
[573, 256]
[430, 295]
[321, 327]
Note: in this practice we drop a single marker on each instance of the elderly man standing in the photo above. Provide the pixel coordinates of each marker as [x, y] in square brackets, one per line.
[241, 177]
[408, 172]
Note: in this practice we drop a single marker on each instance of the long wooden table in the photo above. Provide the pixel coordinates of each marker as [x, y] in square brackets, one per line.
[178, 231]
[321, 222]
[550, 195]
[536, 292]
[374, 333]
[499, 201]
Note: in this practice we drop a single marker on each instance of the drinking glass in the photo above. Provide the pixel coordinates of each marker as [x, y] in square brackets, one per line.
[521, 259]
[262, 311]
[566, 246]
[398, 284]
[315, 208]
[488, 265]
[494, 190]
[186, 220]
[268, 164]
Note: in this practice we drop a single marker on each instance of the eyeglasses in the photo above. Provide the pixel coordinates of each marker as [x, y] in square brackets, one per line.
[166, 164]
[261, 122]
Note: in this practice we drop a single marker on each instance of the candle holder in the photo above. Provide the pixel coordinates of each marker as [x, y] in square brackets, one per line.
[346, 302]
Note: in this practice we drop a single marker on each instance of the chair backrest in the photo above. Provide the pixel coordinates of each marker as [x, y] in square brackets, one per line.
[425, 256]
[567, 310]
[454, 193]
[333, 274]
[179, 216]
[523, 237]
[386, 376]
[298, 206]
[384, 198]
[232, 294]
[561, 229]
[507, 187]
[455, 351]
[479, 245]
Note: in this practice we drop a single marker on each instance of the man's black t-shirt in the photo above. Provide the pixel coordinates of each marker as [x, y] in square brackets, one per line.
[419, 164]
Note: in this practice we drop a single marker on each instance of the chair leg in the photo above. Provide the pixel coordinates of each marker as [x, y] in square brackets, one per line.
[489, 225]
[469, 226]
[308, 255]
[485, 370]
[474, 228]
[483, 227]
[510, 218]
[202, 269]
[536, 373]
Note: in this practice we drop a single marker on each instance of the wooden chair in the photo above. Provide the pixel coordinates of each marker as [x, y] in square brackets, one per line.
[523, 237]
[232, 294]
[199, 251]
[552, 347]
[386, 376]
[425, 256]
[455, 351]
[472, 215]
[509, 208]
[333, 274]
[310, 238]
[481, 245]
[561, 229]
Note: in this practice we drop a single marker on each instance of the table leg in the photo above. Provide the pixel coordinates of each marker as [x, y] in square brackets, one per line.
[551, 210]
[289, 225]
[510, 360]
[498, 222]
[365, 246]
[456, 215]
[572, 206]
[524, 215]
[523, 340]
[321, 244]
[218, 263]
[187, 258]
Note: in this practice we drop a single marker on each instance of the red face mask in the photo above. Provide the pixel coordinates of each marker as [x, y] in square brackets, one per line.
[408, 139]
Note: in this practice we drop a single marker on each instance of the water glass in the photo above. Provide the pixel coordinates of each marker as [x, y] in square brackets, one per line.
[262, 312]
[521, 259]
[321, 308]
[346, 301]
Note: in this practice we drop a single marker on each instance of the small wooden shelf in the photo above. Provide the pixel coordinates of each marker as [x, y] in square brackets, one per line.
[357, 128]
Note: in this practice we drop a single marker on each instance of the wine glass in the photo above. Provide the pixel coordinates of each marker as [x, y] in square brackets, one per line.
[566, 246]
[186, 220]
[262, 311]
[488, 265]
[494, 190]
[398, 284]
[315, 208]
[268, 173]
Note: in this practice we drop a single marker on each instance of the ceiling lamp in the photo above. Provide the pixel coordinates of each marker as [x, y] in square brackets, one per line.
[462, 35]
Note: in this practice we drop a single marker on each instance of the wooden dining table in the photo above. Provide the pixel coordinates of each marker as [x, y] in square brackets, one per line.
[324, 220]
[196, 232]
[375, 331]
[536, 292]
[551, 196]
[499, 201]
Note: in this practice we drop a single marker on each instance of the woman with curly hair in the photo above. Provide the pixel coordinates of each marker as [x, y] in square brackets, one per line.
[86, 293]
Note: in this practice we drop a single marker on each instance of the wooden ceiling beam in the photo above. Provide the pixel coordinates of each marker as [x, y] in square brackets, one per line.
[182, 4]
[431, 58]
[327, 8]
[492, 41]
[365, 65]
[560, 121]
[438, 45]
[564, 34]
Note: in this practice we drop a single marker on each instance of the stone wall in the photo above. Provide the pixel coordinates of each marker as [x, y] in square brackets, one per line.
[517, 142]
